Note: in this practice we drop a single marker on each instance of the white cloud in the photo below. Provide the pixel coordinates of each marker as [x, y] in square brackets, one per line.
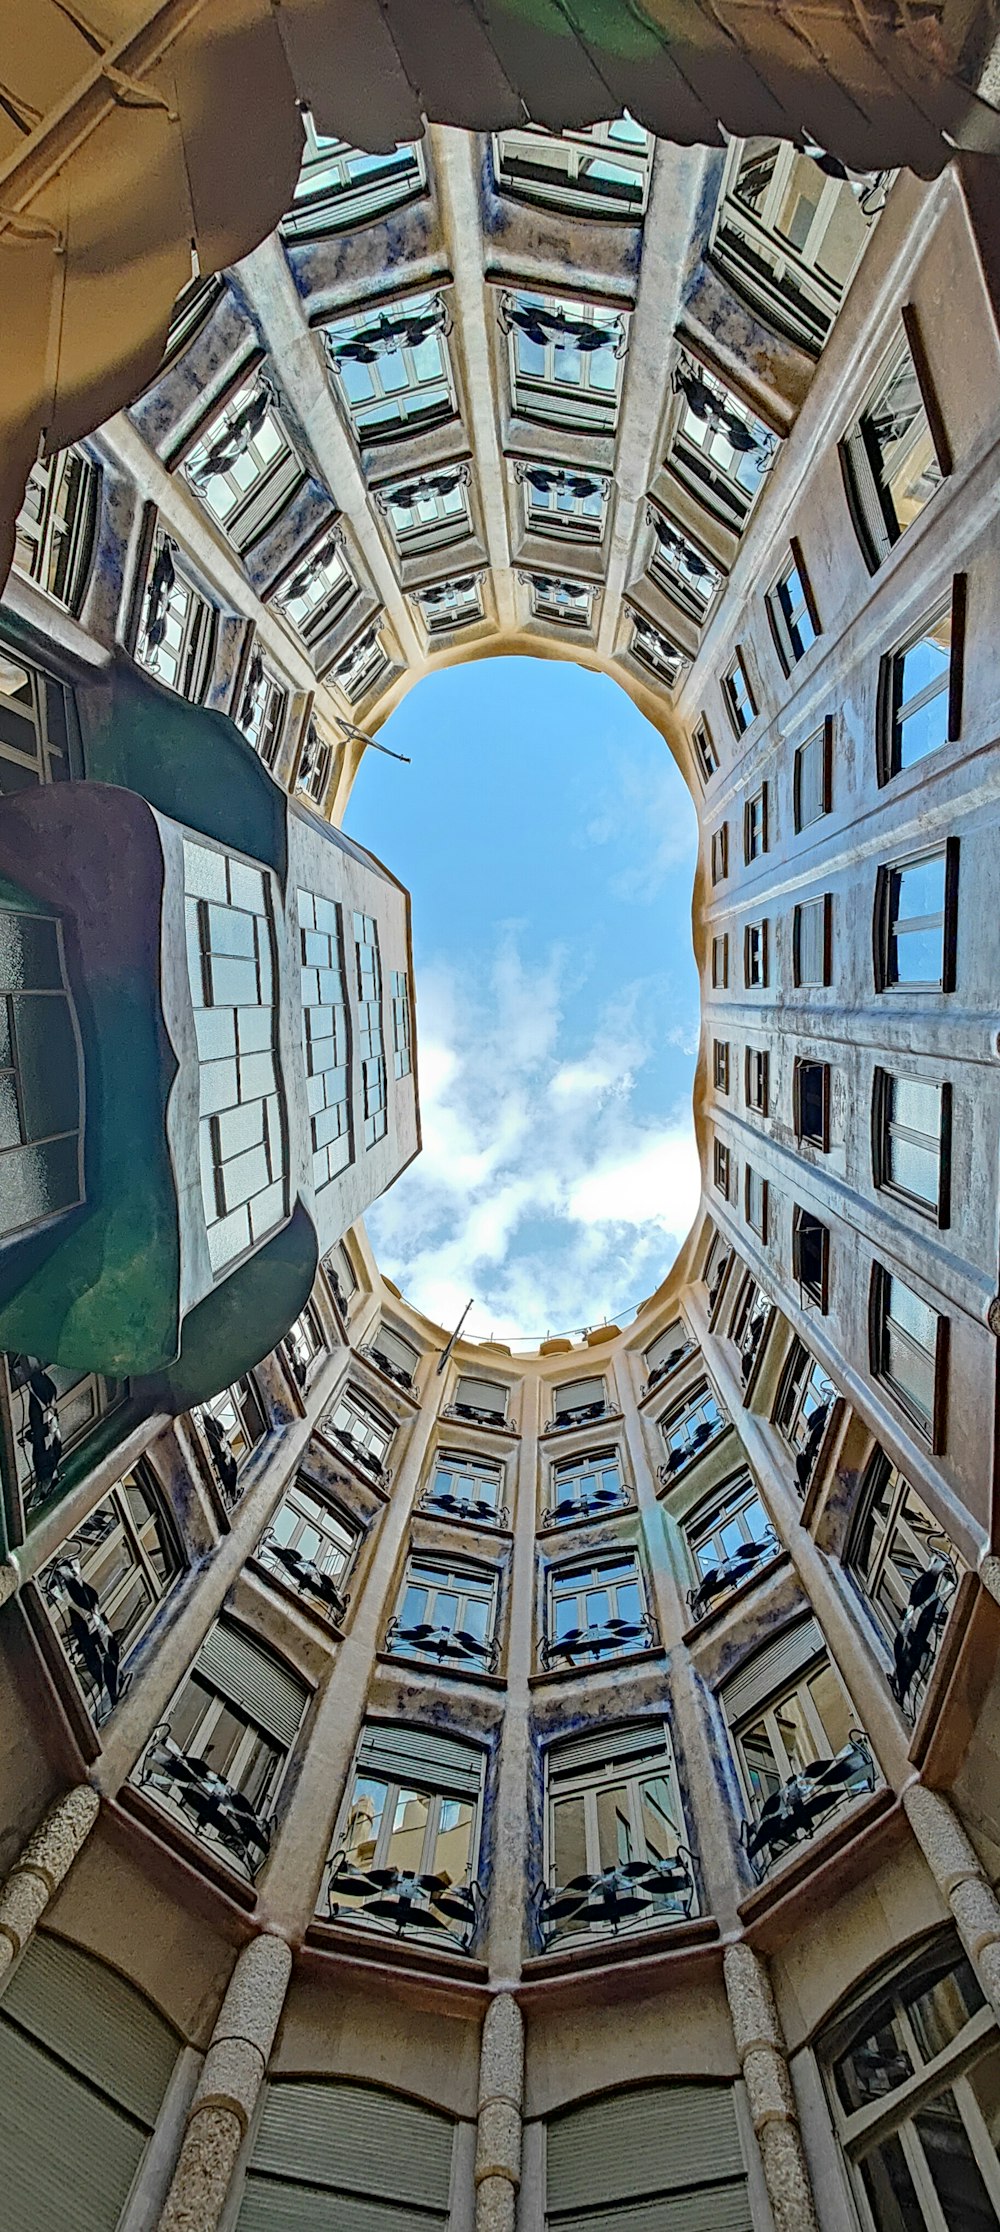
[543, 1189]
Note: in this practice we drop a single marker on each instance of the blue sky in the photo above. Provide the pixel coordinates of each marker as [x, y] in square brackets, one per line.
[549, 845]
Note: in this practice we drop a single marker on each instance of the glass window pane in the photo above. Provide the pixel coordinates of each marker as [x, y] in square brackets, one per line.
[365, 1821]
[659, 1828]
[874, 2066]
[889, 2187]
[406, 1837]
[965, 2203]
[921, 888]
[832, 1706]
[942, 2010]
[453, 1844]
[614, 1827]
[569, 1839]
[985, 2082]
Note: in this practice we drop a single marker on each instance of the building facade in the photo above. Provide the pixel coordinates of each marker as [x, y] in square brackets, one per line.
[445, 1786]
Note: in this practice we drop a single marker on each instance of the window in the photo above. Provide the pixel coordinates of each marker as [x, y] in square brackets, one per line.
[911, 1141]
[315, 767]
[739, 697]
[57, 524]
[722, 1168]
[755, 974]
[362, 666]
[341, 1275]
[812, 777]
[466, 1487]
[484, 1401]
[565, 360]
[392, 367]
[908, 1569]
[687, 575]
[690, 1429]
[916, 920]
[564, 503]
[919, 692]
[811, 1255]
[568, 602]
[584, 1487]
[242, 1122]
[595, 1611]
[302, 1344]
[362, 1430]
[402, 1054]
[788, 235]
[656, 652]
[755, 1201]
[576, 1401]
[340, 185]
[177, 624]
[233, 1423]
[326, 1042]
[449, 604]
[811, 1103]
[729, 1538]
[310, 1547]
[720, 1065]
[920, 2146]
[805, 1401]
[812, 939]
[613, 1805]
[720, 962]
[669, 1349]
[242, 466]
[758, 1079]
[599, 171]
[719, 451]
[317, 590]
[791, 1717]
[369, 987]
[38, 732]
[791, 612]
[891, 460]
[405, 1852]
[101, 1589]
[263, 709]
[752, 1316]
[446, 1612]
[720, 853]
[396, 1357]
[429, 511]
[653, 2154]
[755, 825]
[41, 1161]
[216, 1763]
[908, 1344]
[717, 1261]
[705, 752]
[53, 1409]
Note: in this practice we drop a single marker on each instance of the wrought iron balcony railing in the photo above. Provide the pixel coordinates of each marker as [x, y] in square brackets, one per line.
[457, 1644]
[307, 1578]
[475, 1416]
[600, 1642]
[669, 1364]
[465, 1507]
[750, 1340]
[41, 1437]
[632, 1896]
[802, 1805]
[583, 1415]
[920, 1631]
[219, 1814]
[358, 1454]
[93, 1648]
[718, 1580]
[589, 1504]
[297, 1363]
[383, 1363]
[701, 1439]
[391, 1900]
[337, 1290]
[805, 1459]
[227, 1471]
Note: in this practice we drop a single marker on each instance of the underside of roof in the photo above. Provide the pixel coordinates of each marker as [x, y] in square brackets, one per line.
[139, 142]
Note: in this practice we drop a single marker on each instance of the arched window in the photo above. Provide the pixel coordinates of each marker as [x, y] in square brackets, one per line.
[666, 2154]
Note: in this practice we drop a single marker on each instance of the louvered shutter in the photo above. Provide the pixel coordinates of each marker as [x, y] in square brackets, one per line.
[346, 2158]
[607, 1747]
[396, 1349]
[483, 1395]
[576, 1393]
[810, 942]
[257, 1684]
[665, 2157]
[92, 2018]
[666, 1345]
[420, 1755]
[768, 1670]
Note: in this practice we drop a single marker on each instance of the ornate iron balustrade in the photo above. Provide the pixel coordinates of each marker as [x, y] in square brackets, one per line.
[657, 650]
[805, 1460]
[475, 1416]
[383, 1363]
[408, 493]
[231, 443]
[919, 1633]
[751, 1337]
[359, 1454]
[590, 1504]
[385, 335]
[41, 1437]
[708, 401]
[93, 1648]
[632, 1896]
[161, 581]
[583, 1415]
[213, 1808]
[601, 1641]
[707, 1432]
[458, 1644]
[801, 1806]
[226, 1469]
[399, 1903]
[562, 478]
[336, 1288]
[729, 1572]
[307, 1578]
[298, 1365]
[715, 1282]
[669, 1364]
[540, 326]
[465, 1507]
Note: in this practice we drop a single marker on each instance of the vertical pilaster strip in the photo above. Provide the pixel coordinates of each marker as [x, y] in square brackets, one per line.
[498, 2136]
[226, 2093]
[763, 2060]
[47, 1856]
[959, 1877]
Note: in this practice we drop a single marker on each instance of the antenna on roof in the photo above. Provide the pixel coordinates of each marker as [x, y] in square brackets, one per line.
[357, 736]
[445, 1353]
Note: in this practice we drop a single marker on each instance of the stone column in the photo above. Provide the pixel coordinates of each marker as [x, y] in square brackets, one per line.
[960, 1879]
[47, 1856]
[498, 2136]
[226, 2093]
[761, 2048]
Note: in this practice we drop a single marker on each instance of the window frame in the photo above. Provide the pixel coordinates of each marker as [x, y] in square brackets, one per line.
[884, 922]
[720, 853]
[631, 1771]
[470, 1583]
[784, 617]
[883, 1080]
[359, 327]
[875, 521]
[759, 981]
[318, 211]
[61, 544]
[198, 621]
[824, 734]
[698, 1404]
[704, 750]
[541, 398]
[559, 1576]
[564, 191]
[823, 900]
[738, 696]
[803, 1137]
[817, 1291]
[756, 1196]
[757, 1079]
[722, 1168]
[140, 1568]
[892, 711]
[720, 1065]
[720, 961]
[756, 832]
[928, 1423]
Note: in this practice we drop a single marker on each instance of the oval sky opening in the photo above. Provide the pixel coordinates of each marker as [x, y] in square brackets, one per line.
[549, 843]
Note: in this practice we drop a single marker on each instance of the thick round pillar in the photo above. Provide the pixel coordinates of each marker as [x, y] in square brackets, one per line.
[47, 1856]
[227, 2090]
[498, 2133]
[960, 1879]
[763, 2060]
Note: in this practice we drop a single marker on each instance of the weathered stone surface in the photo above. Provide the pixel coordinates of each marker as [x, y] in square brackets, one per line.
[751, 2000]
[231, 2078]
[48, 1854]
[768, 2086]
[941, 1837]
[204, 2172]
[501, 2064]
[498, 2142]
[761, 2048]
[787, 2179]
[496, 2204]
